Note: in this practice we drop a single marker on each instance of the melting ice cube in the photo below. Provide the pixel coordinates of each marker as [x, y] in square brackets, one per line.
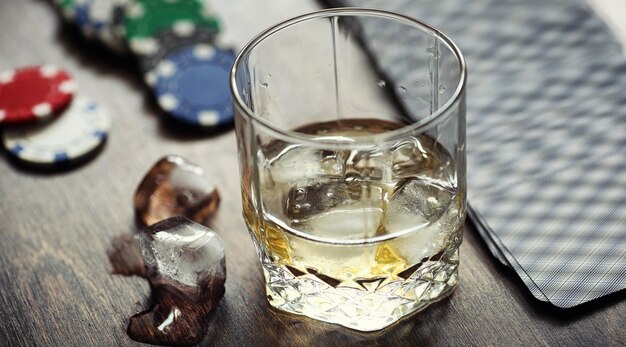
[336, 209]
[185, 256]
[186, 268]
[174, 186]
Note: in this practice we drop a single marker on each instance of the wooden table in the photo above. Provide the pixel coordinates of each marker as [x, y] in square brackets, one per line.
[56, 286]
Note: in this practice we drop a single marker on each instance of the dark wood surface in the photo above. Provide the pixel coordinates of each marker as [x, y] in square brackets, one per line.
[56, 286]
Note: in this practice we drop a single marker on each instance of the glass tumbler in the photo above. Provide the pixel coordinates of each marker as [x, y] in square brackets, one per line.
[350, 129]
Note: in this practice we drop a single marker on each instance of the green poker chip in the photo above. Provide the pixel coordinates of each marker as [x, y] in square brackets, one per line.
[144, 18]
[65, 3]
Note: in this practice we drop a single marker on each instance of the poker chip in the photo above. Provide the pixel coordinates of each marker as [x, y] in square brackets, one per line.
[170, 40]
[192, 85]
[144, 18]
[34, 92]
[101, 19]
[64, 3]
[107, 19]
[97, 19]
[75, 134]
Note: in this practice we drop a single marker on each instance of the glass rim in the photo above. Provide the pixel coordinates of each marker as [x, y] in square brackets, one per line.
[362, 142]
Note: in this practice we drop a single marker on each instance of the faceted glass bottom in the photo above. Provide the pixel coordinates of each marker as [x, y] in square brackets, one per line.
[372, 305]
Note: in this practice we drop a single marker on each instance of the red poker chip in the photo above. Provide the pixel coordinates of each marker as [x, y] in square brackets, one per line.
[34, 92]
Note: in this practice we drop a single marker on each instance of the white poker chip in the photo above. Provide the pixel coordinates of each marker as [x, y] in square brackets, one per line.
[79, 131]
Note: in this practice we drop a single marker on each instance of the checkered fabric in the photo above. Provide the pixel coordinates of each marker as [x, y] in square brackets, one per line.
[546, 136]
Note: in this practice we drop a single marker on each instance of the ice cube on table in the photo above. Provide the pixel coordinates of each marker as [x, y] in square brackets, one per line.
[175, 186]
[186, 268]
[186, 256]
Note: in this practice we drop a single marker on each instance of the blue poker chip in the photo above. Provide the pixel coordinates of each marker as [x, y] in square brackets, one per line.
[192, 85]
[73, 135]
[100, 19]
[81, 18]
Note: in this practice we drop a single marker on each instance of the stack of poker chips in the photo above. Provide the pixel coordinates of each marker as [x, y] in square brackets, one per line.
[178, 50]
[44, 124]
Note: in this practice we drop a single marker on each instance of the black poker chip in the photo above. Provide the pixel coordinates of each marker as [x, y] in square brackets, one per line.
[171, 40]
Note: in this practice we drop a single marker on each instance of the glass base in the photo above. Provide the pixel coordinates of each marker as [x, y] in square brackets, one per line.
[365, 306]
